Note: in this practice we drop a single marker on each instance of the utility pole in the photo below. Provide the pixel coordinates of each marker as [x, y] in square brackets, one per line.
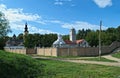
[100, 40]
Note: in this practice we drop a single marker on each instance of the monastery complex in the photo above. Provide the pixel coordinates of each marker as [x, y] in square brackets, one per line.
[71, 47]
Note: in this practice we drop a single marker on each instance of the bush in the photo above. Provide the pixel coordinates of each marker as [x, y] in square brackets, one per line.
[19, 66]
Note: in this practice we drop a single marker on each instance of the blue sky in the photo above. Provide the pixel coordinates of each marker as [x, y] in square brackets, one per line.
[59, 16]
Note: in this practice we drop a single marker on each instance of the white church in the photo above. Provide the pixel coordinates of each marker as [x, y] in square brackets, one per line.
[72, 42]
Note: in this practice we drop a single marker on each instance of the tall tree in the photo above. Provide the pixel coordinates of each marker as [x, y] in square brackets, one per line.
[4, 25]
[4, 30]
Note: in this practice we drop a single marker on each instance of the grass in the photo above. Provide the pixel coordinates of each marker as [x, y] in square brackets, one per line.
[58, 69]
[117, 55]
[14, 65]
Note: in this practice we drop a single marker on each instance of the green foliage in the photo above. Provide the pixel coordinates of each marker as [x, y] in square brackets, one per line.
[118, 33]
[20, 36]
[4, 29]
[3, 41]
[107, 36]
[65, 37]
[29, 41]
[92, 38]
[4, 25]
[46, 40]
[19, 66]
[82, 33]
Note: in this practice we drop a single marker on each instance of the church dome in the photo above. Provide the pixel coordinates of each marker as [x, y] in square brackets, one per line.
[59, 41]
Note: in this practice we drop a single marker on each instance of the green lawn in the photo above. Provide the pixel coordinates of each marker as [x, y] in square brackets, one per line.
[58, 69]
[11, 64]
[117, 55]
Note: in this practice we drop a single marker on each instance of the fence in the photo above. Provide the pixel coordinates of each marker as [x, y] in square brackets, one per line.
[88, 51]
[47, 51]
[15, 50]
[76, 51]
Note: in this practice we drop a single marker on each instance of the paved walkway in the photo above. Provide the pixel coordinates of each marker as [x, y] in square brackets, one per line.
[88, 62]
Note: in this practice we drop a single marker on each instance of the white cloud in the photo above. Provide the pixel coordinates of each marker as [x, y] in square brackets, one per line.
[61, 2]
[17, 18]
[33, 29]
[58, 3]
[103, 3]
[2, 7]
[41, 22]
[82, 25]
[17, 14]
[55, 21]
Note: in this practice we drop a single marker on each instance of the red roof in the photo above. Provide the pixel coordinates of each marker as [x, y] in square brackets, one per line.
[76, 42]
[79, 41]
[69, 42]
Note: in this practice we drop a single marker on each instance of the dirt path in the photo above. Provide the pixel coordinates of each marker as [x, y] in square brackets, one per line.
[84, 61]
[111, 58]
[95, 62]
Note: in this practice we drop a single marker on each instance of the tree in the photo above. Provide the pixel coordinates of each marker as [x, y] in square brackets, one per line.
[92, 38]
[29, 41]
[4, 30]
[118, 33]
[20, 36]
[82, 33]
[39, 40]
[4, 25]
[3, 41]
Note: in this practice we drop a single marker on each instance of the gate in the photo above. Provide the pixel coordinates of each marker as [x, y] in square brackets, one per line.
[31, 51]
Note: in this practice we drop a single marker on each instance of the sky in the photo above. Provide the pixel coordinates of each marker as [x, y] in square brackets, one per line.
[59, 16]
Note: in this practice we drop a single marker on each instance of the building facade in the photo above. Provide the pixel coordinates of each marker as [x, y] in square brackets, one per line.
[72, 42]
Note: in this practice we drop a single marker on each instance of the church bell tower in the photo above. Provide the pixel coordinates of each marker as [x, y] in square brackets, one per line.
[25, 32]
[72, 35]
[26, 29]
